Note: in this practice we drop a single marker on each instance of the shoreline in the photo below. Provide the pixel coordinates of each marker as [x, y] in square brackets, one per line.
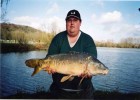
[15, 47]
[12, 47]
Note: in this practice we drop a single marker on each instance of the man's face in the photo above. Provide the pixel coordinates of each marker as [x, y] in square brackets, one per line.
[73, 26]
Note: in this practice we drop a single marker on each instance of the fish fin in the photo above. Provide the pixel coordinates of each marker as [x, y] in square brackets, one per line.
[65, 78]
[36, 70]
[81, 80]
[71, 78]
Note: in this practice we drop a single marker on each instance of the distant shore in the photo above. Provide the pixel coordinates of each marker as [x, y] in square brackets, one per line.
[20, 38]
[15, 47]
[98, 95]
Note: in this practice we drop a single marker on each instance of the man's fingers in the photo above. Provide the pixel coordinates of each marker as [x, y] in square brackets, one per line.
[89, 76]
[45, 68]
[81, 75]
[51, 71]
[85, 75]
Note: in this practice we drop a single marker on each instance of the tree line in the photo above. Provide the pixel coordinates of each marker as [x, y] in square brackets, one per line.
[20, 34]
[123, 43]
[24, 34]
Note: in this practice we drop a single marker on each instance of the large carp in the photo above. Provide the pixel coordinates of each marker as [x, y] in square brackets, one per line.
[71, 64]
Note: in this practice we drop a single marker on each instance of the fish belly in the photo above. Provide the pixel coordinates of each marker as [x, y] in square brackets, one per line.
[68, 68]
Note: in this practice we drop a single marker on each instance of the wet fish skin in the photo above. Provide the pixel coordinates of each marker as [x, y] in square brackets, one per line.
[73, 64]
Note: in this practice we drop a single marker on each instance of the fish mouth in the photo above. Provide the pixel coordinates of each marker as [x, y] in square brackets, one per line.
[106, 72]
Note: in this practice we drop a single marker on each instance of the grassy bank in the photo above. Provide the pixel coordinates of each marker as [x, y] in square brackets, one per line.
[98, 95]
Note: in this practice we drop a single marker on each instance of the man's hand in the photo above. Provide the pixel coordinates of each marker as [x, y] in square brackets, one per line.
[85, 75]
[49, 70]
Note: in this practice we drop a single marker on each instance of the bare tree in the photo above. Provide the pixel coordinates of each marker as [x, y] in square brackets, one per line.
[4, 4]
[52, 28]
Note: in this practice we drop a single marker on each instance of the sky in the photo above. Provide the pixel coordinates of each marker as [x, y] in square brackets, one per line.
[102, 19]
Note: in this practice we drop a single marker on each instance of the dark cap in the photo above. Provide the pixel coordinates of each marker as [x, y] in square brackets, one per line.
[73, 13]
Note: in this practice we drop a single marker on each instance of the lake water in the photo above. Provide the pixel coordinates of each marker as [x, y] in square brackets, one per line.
[124, 75]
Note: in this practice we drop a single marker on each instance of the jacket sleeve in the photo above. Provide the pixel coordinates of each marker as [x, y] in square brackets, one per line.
[54, 46]
[90, 47]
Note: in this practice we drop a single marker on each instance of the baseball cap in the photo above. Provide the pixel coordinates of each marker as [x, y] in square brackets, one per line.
[73, 13]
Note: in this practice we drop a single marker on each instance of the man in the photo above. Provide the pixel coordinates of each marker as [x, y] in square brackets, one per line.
[72, 40]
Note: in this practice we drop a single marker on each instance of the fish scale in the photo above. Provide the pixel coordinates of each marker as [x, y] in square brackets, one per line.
[70, 64]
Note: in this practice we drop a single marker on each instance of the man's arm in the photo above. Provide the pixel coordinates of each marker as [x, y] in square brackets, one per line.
[90, 47]
[54, 47]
